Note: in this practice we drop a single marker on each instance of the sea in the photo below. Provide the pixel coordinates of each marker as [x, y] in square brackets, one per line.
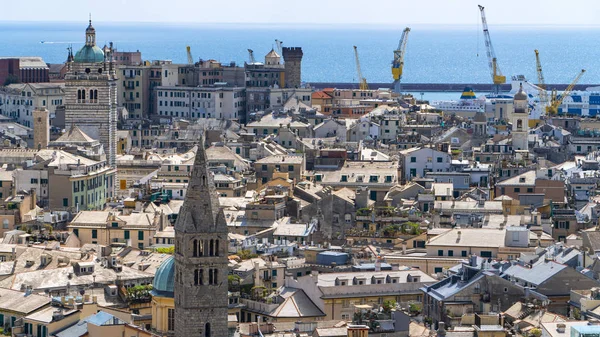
[435, 54]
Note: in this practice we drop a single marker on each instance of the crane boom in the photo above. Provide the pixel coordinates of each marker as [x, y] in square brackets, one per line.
[497, 78]
[361, 80]
[556, 102]
[398, 62]
[251, 55]
[541, 83]
[279, 45]
[189, 55]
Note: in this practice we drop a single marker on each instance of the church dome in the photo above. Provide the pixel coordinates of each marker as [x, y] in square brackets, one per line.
[89, 54]
[164, 279]
[521, 95]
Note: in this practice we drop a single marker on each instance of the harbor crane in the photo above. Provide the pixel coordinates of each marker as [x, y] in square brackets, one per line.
[556, 101]
[189, 55]
[251, 55]
[398, 62]
[541, 83]
[279, 45]
[497, 78]
[362, 82]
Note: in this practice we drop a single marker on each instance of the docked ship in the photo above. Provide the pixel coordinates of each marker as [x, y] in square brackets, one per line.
[582, 103]
[468, 102]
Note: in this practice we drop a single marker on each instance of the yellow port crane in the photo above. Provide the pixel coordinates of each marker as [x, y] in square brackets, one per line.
[541, 83]
[398, 62]
[189, 55]
[497, 78]
[552, 109]
[362, 82]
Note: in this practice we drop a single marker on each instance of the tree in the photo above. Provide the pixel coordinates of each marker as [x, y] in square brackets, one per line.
[388, 306]
[166, 250]
[535, 332]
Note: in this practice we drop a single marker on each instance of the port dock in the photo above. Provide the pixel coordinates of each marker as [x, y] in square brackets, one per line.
[437, 87]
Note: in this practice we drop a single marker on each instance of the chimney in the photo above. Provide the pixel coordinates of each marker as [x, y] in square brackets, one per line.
[473, 261]
[33, 199]
[404, 247]
[441, 331]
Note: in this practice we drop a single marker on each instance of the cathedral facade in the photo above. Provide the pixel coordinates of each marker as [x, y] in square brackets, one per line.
[91, 94]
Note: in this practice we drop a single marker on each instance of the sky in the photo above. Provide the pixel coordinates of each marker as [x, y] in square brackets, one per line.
[319, 12]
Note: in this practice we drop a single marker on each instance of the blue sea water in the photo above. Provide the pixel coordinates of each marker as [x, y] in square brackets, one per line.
[435, 54]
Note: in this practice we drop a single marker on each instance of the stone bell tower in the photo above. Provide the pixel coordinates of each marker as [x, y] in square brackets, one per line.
[520, 121]
[201, 258]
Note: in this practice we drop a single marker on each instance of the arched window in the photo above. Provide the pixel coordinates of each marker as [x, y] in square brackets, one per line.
[519, 124]
[200, 248]
[195, 248]
[216, 247]
[207, 330]
[198, 275]
[211, 249]
[215, 273]
[210, 276]
[79, 94]
[83, 94]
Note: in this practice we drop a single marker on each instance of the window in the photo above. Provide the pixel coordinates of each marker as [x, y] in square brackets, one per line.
[517, 189]
[463, 253]
[34, 180]
[450, 253]
[264, 167]
[530, 190]
[344, 178]
[65, 202]
[440, 159]
[115, 225]
[126, 233]
[274, 272]
[207, 330]
[437, 270]
[485, 253]
[171, 319]
[413, 159]
[440, 252]
[140, 235]
[290, 168]
[94, 233]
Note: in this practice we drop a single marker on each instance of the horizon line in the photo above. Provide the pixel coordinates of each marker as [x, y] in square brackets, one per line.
[299, 24]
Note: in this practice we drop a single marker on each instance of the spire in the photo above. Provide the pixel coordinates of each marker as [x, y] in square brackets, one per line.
[200, 212]
[90, 34]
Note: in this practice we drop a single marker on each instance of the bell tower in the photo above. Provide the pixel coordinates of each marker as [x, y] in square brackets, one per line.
[201, 258]
[520, 121]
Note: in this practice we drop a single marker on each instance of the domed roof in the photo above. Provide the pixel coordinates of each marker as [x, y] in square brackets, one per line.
[272, 53]
[521, 95]
[89, 54]
[164, 278]
[90, 28]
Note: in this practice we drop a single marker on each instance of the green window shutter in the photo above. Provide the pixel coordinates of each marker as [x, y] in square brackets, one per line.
[126, 235]
[140, 235]
[94, 233]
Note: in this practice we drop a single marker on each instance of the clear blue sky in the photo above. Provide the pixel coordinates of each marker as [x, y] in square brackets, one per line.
[386, 12]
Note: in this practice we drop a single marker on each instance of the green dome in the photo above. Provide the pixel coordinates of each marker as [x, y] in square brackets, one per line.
[89, 54]
[163, 279]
